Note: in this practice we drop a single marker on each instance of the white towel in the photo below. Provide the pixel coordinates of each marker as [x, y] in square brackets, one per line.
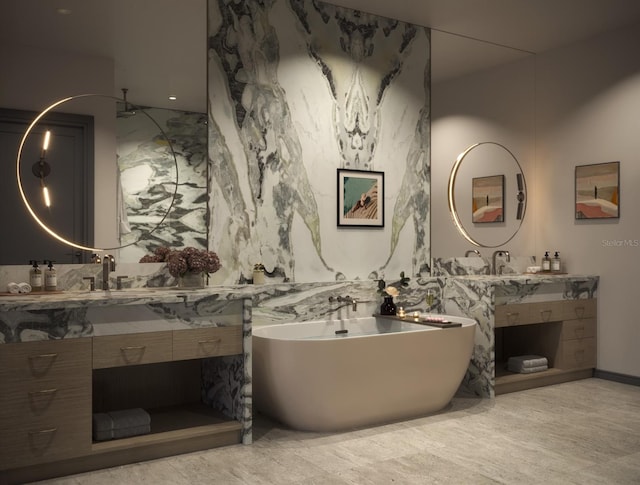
[13, 288]
[524, 361]
[530, 370]
[24, 287]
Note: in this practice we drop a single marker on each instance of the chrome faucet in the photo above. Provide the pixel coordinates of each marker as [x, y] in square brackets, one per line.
[472, 251]
[108, 265]
[497, 253]
[346, 299]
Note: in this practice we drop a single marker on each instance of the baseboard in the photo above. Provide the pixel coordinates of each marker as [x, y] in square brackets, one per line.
[614, 376]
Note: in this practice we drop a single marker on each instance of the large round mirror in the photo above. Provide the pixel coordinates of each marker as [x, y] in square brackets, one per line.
[487, 194]
[51, 155]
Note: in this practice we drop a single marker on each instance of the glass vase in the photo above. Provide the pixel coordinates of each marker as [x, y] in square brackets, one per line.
[388, 307]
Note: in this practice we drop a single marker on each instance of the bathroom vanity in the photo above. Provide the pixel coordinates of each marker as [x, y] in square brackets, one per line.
[182, 356]
[554, 316]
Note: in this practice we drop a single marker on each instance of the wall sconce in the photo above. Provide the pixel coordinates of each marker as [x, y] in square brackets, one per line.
[41, 169]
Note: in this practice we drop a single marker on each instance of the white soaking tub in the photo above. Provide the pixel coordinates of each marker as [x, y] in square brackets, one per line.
[341, 374]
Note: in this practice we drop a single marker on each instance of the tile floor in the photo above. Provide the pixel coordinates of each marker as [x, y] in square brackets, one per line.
[582, 432]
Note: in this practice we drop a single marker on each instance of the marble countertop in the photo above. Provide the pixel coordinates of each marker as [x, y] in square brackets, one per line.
[132, 296]
[523, 279]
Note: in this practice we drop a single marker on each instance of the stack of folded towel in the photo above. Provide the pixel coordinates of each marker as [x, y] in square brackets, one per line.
[526, 364]
[120, 424]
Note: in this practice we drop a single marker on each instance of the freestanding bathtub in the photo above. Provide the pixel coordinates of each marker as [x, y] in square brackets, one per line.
[341, 374]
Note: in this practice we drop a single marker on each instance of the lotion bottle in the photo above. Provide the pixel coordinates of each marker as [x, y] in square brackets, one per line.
[35, 276]
[546, 262]
[555, 263]
[50, 278]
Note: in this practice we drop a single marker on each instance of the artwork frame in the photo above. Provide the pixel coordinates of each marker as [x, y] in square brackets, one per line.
[360, 198]
[487, 199]
[597, 191]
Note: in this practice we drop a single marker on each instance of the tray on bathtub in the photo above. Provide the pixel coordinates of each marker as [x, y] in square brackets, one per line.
[422, 321]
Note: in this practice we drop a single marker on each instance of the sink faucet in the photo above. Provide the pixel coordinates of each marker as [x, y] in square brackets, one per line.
[346, 299]
[497, 253]
[108, 265]
[472, 251]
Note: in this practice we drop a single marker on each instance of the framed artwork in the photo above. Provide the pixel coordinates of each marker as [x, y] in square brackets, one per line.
[487, 199]
[598, 191]
[360, 198]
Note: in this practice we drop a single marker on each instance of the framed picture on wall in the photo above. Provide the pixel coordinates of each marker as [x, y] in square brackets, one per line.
[598, 191]
[360, 198]
[487, 199]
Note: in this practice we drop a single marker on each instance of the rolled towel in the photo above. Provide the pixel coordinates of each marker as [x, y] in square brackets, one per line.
[13, 288]
[24, 287]
[524, 361]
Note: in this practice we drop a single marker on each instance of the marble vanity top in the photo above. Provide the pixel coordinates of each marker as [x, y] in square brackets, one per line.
[132, 296]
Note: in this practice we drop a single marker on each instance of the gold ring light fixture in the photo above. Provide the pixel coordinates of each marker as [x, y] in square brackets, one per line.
[521, 195]
[42, 168]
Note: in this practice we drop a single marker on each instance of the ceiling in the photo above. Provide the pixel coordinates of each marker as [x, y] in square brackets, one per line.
[159, 46]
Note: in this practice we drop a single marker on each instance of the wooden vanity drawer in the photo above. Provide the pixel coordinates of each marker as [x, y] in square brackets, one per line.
[579, 329]
[578, 309]
[578, 354]
[44, 439]
[528, 313]
[132, 349]
[207, 342]
[49, 363]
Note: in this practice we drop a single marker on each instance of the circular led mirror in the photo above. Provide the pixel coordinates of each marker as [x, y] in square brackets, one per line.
[487, 196]
[42, 169]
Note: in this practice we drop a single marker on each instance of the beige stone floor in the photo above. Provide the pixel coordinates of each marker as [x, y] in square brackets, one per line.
[582, 432]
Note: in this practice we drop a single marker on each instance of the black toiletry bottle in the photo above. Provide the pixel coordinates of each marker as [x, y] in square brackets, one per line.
[35, 276]
[546, 262]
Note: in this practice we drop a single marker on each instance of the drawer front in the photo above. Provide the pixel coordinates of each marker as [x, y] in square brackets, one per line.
[578, 309]
[579, 329]
[46, 364]
[131, 349]
[23, 404]
[44, 440]
[578, 354]
[528, 313]
[207, 342]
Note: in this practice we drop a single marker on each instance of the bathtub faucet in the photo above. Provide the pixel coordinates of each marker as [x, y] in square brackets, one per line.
[346, 299]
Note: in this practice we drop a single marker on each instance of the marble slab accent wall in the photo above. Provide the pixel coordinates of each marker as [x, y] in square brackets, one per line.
[298, 89]
[148, 178]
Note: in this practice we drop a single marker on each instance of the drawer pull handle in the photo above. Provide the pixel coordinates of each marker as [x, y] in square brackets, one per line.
[43, 392]
[43, 356]
[210, 341]
[133, 347]
[545, 315]
[43, 431]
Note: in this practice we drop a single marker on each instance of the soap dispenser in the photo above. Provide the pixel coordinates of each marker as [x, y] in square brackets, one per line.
[50, 277]
[546, 262]
[35, 276]
[555, 263]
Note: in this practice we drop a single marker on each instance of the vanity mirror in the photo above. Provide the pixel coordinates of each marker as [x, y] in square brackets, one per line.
[484, 161]
[43, 184]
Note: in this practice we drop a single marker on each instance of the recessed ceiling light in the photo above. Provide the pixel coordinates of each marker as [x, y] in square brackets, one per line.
[64, 11]
[172, 97]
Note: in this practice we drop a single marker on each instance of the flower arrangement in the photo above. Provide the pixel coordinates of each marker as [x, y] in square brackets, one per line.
[187, 260]
[393, 290]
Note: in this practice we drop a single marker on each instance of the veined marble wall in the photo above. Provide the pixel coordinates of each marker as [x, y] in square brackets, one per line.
[147, 179]
[298, 89]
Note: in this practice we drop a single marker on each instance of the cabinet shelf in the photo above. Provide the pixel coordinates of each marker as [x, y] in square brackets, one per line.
[176, 423]
[507, 381]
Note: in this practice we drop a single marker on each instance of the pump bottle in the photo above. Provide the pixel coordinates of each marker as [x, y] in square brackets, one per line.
[546, 262]
[555, 263]
[35, 276]
[50, 277]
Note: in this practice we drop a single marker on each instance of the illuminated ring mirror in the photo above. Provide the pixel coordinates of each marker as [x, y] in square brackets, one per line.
[41, 168]
[490, 180]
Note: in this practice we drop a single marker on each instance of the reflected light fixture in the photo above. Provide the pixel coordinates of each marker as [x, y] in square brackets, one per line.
[41, 169]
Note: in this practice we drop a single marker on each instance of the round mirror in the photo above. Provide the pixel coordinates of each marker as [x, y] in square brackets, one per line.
[487, 194]
[48, 162]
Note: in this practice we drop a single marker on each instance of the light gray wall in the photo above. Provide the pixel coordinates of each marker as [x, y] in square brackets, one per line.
[587, 112]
